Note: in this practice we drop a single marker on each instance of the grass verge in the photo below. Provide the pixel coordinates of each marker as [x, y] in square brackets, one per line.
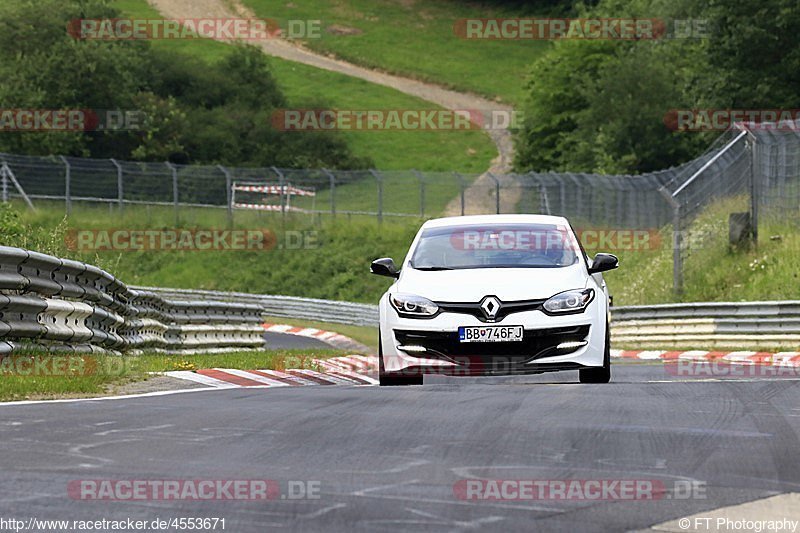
[33, 375]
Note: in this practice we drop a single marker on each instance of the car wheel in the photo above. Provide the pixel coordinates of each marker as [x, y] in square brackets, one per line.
[599, 374]
[394, 379]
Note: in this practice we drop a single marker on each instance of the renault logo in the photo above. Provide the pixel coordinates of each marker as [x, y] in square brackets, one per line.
[490, 305]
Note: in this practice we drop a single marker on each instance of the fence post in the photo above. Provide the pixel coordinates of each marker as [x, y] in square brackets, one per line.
[9, 174]
[67, 179]
[283, 190]
[3, 174]
[496, 192]
[754, 188]
[677, 258]
[332, 179]
[228, 192]
[120, 190]
[379, 180]
[462, 187]
[677, 241]
[174, 171]
[544, 201]
[421, 178]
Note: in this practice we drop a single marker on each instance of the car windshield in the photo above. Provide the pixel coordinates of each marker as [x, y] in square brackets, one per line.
[496, 246]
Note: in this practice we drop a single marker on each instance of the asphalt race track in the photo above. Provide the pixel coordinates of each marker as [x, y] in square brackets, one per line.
[281, 341]
[387, 459]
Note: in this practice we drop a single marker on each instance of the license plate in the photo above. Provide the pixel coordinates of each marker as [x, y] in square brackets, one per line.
[490, 333]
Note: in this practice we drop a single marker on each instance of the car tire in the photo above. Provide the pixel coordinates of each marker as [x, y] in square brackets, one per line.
[601, 374]
[394, 379]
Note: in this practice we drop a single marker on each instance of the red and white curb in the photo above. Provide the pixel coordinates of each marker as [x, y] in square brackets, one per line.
[337, 340]
[740, 357]
[348, 370]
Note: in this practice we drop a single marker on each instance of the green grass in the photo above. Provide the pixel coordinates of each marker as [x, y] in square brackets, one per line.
[304, 86]
[415, 38]
[714, 271]
[72, 376]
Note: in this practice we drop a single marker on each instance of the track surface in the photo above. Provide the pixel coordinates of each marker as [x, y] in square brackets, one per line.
[387, 458]
[282, 341]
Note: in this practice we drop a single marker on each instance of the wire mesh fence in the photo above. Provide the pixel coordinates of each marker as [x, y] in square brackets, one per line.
[747, 174]
[625, 201]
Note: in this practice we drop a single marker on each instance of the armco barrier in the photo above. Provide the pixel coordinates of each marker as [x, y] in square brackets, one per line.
[60, 304]
[286, 306]
[721, 325]
[724, 325]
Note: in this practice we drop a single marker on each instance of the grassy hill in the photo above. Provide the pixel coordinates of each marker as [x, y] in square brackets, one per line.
[415, 38]
[465, 151]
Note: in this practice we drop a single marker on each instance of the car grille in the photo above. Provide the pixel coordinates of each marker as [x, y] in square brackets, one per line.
[506, 308]
[536, 343]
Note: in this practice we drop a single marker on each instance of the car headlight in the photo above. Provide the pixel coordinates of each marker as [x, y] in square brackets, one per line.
[574, 301]
[413, 306]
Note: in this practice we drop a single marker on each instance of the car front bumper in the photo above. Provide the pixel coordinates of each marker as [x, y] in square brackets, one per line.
[538, 352]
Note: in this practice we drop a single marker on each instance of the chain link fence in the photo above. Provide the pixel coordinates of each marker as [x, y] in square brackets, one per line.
[621, 201]
[711, 201]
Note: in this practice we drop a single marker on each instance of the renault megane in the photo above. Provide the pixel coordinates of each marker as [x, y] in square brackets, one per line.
[495, 295]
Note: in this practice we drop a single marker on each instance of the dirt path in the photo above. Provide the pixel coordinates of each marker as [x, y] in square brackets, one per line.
[479, 197]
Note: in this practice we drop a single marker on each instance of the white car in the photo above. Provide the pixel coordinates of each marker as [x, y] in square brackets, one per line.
[495, 295]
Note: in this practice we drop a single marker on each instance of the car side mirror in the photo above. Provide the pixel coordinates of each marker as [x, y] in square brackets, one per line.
[384, 267]
[603, 263]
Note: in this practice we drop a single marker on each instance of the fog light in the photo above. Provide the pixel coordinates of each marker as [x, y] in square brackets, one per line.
[413, 349]
[573, 345]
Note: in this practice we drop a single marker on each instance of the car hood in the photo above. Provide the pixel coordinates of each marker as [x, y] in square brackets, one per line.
[508, 284]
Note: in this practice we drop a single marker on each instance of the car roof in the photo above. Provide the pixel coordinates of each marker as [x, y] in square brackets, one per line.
[493, 219]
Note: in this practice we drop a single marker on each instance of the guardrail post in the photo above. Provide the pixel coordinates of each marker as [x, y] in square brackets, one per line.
[421, 178]
[174, 170]
[379, 180]
[462, 186]
[228, 193]
[496, 192]
[120, 190]
[67, 179]
[332, 180]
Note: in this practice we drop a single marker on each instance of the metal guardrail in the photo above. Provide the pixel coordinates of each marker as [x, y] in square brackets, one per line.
[59, 304]
[736, 325]
[286, 306]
